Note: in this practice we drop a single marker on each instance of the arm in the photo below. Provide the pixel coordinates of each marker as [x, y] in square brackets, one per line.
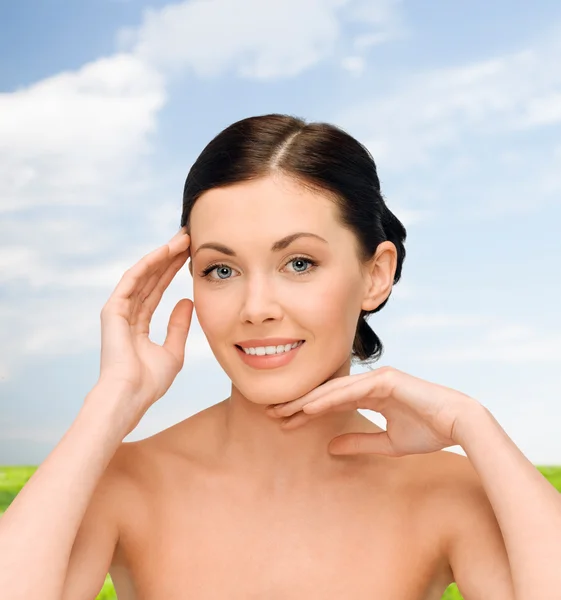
[504, 490]
[38, 530]
[474, 543]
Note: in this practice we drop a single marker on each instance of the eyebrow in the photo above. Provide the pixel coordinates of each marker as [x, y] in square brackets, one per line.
[276, 247]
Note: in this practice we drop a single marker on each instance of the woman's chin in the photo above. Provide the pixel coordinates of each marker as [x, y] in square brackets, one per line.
[275, 390]
[267, 396]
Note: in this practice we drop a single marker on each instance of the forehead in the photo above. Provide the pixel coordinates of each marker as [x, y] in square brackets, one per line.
[277, 204]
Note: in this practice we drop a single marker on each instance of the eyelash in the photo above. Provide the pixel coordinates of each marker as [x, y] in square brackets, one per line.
[206, 273]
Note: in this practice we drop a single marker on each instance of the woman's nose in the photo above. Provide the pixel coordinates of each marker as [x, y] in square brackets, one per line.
[260, 302]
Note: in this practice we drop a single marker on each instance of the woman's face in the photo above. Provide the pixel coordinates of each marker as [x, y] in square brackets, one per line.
[311, 289]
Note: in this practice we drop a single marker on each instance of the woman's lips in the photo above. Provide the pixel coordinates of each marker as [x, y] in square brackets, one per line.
[269, 361]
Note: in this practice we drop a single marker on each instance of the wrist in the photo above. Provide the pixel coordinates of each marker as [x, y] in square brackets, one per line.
[468, 422]
[113, 406]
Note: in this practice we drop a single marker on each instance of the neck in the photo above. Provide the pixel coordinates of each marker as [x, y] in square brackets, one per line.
[254, 444]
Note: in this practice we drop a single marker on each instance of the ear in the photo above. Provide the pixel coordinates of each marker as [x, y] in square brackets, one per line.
[379, 273]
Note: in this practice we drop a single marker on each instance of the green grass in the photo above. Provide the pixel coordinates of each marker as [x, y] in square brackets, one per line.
[107, 591]
[12, 480]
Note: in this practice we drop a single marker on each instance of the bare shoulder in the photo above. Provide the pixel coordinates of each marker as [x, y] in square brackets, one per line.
[434, 487]
[146, 465]
[448, 488]
[145, 474]
[433, 480]
[117, 485]
[454, 490]
[446, 471]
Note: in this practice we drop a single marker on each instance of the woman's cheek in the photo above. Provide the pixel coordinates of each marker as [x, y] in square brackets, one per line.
[209, 309]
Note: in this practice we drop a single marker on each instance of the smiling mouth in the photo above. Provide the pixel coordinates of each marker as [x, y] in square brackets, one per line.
[275, 353]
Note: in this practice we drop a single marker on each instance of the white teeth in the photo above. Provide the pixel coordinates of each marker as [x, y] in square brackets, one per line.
[262, 350]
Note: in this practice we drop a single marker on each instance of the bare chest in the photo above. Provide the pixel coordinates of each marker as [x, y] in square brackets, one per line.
[221, 543]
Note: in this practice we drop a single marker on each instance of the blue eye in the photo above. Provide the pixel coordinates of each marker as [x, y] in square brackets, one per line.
[220, 268]
[300, 259]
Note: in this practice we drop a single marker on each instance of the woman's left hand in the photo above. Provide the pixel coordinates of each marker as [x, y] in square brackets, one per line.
[421, 417]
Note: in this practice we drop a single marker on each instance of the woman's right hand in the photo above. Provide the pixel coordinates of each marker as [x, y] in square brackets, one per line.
[129, 359]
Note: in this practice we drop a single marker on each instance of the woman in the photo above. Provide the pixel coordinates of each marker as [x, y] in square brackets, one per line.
[283, 490]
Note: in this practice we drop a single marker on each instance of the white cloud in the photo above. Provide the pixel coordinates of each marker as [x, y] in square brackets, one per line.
[37, 252]
[381, 12]
[255, 39]
[355, 65]
[543, 110]
[72, 136]
[442, 108]
[506, 344]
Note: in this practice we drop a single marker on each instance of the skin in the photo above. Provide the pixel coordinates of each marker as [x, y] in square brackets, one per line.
[263, 296]
[235, 502]
[278, 485]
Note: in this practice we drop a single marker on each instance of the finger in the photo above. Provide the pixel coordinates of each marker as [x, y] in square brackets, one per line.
[135, 278]
[138, 298]
[296, 421]
[178, 329]
[292, 407]
[361, 393]
[301, 418]
[159, 283]
[115, 334]
[177, 246]
[362, 443]
[180, 233]
[146, 309]
[180, 242]
[165, 278]
[287, 409]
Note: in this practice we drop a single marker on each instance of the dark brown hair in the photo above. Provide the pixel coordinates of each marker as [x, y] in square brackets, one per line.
[322, 158]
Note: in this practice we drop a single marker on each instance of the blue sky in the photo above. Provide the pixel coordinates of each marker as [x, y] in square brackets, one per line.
[104, 105]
